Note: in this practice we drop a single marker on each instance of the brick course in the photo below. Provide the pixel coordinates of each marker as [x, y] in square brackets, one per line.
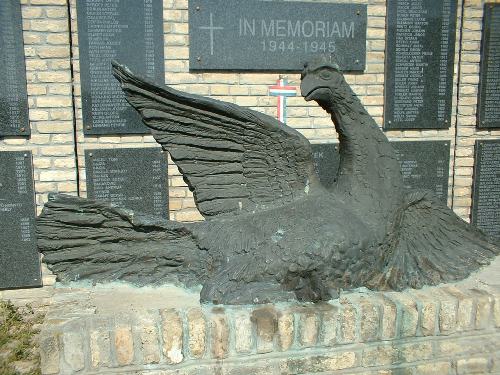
[287, 339]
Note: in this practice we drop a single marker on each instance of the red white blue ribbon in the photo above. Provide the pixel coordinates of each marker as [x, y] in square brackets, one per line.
[282, 91]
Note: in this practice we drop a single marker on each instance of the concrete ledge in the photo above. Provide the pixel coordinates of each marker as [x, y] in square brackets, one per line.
[443, 330]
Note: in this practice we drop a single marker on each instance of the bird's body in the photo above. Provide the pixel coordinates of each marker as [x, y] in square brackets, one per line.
[272, 230]
[294, 243]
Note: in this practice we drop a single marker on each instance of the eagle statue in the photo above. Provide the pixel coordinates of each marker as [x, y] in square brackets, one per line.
[272, 232]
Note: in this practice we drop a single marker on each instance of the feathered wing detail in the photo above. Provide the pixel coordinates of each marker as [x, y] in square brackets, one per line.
[86, 239]
[430, 245]
[233, 159]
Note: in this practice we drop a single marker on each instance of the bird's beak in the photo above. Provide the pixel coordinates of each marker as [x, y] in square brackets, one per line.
[307, 86]
[312, 89]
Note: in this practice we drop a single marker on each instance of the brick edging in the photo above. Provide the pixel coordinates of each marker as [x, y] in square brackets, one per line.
[358, 330]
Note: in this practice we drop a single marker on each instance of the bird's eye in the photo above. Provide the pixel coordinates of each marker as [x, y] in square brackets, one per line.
[326, 74]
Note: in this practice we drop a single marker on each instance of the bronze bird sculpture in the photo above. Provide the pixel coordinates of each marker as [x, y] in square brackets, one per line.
[272, 231]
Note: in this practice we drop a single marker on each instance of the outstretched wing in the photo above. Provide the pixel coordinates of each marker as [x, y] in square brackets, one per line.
[233, 159]
[83, 239]
[431, 245]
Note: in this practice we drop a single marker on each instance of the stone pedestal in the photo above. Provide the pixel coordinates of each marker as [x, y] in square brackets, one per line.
[450, 329]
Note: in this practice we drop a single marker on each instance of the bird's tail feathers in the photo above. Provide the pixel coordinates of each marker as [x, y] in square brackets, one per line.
[429, 245]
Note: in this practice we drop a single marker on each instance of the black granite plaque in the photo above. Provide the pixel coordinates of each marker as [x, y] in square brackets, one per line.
[19, 259]
[489, 86]
[420, 50]
[486, 191]
[13, 94]
[134, 178]
[424, 164]
[131, 32]
[326, 162]
[274, 35]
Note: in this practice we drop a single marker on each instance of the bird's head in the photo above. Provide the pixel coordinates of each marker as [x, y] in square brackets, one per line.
[321, 81]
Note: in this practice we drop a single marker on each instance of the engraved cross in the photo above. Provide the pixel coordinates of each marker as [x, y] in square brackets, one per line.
[211, 28]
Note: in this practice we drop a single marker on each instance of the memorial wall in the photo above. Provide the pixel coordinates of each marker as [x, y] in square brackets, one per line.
[209, 56]
[428, 77]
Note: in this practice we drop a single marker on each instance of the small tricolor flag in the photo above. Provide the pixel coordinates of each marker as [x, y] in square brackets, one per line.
[282, 91]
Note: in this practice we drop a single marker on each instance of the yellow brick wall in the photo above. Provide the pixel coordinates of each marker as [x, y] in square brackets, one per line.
[181, 201]
[49, 74]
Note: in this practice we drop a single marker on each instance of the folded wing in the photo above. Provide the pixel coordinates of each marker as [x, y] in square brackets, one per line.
[233, 159]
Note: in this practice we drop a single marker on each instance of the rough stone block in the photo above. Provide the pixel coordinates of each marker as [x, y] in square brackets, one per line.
[219, 332]
[333, 362]
[73, 349]
[433, 368]
[308, 327]
[265, 320]
[407, 312]
[100, 344]
[243, 340]
[370, 318]
[337, 361]
[496, 311]
[197, 333]
[329, 326]
[149, 341]
[381, 355]
[348, 322]
[286, 330]
[171, 323]
[450, 348]
[124, 345]
[254, 368]
[465, 308]
[484, 304]
[472, 366]
[447, 313]
[389, 319]
[428, 308]
[469, 346]
[415, 352]
[49, 353]
[495, 365]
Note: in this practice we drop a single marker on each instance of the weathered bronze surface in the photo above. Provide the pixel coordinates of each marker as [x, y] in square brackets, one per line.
[273, 232]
